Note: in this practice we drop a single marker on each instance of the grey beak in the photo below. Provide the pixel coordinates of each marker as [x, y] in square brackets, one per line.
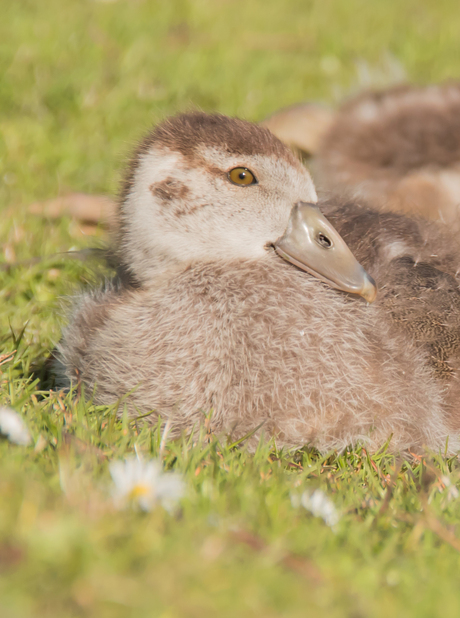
[311, 243]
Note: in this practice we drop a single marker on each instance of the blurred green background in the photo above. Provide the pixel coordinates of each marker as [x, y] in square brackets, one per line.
[82, 79]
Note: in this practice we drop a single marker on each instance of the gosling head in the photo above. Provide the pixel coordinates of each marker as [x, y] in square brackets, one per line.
[208, 188]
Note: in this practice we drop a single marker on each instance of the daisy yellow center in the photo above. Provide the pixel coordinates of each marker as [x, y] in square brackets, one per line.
[138, 491]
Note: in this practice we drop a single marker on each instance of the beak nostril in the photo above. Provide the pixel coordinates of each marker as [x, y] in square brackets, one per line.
[324, 241]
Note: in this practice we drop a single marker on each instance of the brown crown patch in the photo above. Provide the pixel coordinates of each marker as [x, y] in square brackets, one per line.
[169, 190]
[187, 133]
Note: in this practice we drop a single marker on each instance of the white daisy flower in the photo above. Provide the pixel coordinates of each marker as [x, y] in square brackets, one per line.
[144, 484]
[319, 505]
[452, 492]
[13, 427]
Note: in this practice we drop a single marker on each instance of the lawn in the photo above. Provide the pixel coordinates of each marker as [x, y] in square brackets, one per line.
[81, 80]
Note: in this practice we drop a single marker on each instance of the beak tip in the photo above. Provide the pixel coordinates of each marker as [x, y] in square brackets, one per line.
[369, 290]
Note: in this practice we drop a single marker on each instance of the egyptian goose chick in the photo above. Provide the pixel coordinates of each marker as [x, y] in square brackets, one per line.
[398, 149]
[208, 318]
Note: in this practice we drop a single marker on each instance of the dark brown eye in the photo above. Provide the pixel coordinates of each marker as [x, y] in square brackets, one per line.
[242, 176]
[324, 241]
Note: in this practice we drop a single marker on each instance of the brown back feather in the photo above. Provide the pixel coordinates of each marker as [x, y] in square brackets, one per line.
[418, 287]
[407, 128]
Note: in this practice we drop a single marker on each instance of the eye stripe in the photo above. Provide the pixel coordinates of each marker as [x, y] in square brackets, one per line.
[242, 176]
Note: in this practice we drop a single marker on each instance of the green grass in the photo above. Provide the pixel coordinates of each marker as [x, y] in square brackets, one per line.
[80, 81]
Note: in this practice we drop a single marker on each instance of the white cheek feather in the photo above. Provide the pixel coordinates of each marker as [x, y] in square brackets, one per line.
[154, 167]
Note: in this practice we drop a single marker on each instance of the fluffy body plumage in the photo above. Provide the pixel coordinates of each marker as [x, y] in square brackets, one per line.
[397, 149]
[211, 319]
[417, 264]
